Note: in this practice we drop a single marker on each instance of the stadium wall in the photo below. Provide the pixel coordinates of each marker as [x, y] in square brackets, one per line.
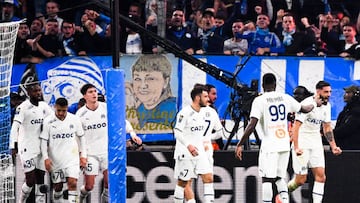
[150, 178]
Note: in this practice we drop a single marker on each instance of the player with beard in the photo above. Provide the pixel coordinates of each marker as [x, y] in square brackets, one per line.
[61, 134]
[25, 131]
[214, 131]
[308, 150]
[190, 157]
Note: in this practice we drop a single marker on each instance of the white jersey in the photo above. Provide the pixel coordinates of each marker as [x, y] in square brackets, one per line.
[214, 125]
[190, 128]
[62, 137]
[271, 110]
[309, 132]
[30, 118]
[95, 125]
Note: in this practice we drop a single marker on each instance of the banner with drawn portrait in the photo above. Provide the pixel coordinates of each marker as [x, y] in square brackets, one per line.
[151, 92]
[151, 87]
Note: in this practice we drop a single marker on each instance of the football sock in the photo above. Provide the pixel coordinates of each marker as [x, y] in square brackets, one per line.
[318, 192]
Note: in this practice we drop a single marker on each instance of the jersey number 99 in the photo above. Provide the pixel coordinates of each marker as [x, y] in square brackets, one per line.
[277, 112]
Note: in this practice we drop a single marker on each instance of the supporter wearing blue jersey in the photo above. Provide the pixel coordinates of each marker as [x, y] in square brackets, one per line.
[261, 41]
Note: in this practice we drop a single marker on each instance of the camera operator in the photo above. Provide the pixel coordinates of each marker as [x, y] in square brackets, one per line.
[348, 121]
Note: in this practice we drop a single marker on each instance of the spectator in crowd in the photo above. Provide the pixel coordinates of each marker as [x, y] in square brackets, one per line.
[348, 121]
[195, 23]
[133, 42]
[52, 9]
[349, 34]
[331, 37]
[296, 43]
[151, 7]
[23, 52]
[275, 148]
[261, 41]
[8, 10]
[49, 44]
[36, 28]
[220, 19]
[63, 155]
[180, 34]
[190, 157]
[25, 131]
[234, 45]
[308, 150]
[90, 40]
[70, 39]
[211, 40]
[135, 9]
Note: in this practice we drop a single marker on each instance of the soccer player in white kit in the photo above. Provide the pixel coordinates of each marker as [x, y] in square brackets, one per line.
[214, 132]
[93, 116]
[61, 134]
[270, 110]
[190, 157]
[25, 131]
[308, 150]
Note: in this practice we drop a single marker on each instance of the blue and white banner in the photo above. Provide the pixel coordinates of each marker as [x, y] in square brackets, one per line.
[157, 86]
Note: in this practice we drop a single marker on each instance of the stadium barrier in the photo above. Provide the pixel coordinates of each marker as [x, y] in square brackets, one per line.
[150, 178]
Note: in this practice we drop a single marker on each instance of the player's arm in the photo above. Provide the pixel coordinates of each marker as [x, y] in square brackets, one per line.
[14, 132]
[131, 131]
[179, 135]
[295, 137]
[247, 132]
[44, 152]
[218, 130]
[307, 108]
[83, 154]
[329, 135]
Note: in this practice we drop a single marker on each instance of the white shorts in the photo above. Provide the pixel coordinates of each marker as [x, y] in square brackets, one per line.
[31, 162]
[311, 158]
[186, 169]
[273, 164]
[95, 164]
[60, 175]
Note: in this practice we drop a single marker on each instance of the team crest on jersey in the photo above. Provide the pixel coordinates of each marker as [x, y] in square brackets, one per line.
[180, 118]
[103, 116]
[71, 126]
[207, 114]
[44, 112]
[17, 111]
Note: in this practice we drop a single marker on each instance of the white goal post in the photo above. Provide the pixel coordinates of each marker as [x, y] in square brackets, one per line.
[8, 34]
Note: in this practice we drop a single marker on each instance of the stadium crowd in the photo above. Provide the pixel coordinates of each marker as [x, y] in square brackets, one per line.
[231, 27]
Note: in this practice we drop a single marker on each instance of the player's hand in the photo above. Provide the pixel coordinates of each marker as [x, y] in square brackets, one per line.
[238, 152]
[298, 151]
[83, 162]
[336, 151]
[193, 150]
[137, 140]
[48, 164]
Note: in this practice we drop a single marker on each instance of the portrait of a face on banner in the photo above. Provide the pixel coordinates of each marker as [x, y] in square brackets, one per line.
[151, 92]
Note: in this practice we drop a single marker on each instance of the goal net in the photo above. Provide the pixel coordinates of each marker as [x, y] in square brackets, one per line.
[8, 33]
